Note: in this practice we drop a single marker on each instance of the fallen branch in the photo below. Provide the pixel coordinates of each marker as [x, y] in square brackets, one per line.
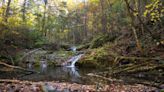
[105, 78]
[140, 68]
[135, 58]
[17, 67]
[143, 58]
[29, 53]
[130, 67]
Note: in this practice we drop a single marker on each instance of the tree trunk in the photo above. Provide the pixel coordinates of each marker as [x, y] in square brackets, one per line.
[44, 20]
[24, 11]
[85, 21]
[103, 17]
[7, 10]
[133, 26]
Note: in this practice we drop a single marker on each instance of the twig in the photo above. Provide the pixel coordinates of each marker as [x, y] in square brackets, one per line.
[17, 67]
[105, 78]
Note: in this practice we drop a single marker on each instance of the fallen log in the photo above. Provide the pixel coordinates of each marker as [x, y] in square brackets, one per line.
[30, 52]
[143, 68]
[105, 78]
[17, 67]
[119, 57]
[143, 58]
[139, 68]
[130, 67]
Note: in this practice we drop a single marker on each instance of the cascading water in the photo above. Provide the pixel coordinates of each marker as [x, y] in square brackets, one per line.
[71, 62]
[73, 48]
[69, 70]
[43, 66]
[74, 59]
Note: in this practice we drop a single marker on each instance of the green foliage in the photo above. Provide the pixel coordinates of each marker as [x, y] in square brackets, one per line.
[154, 10]
[37, 38]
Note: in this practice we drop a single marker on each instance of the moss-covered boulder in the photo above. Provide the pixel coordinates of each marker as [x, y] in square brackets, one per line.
[83, 46]
[99, 57]
[102, 39]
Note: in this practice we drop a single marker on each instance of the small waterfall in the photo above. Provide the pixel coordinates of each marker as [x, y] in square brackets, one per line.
[73, 48]
[43, 65]
[75, 72]
[29, 65]
[74, 59]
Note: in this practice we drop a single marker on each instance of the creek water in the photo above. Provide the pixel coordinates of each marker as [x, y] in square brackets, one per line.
[70, 73]
[66, 73]
[61, 74]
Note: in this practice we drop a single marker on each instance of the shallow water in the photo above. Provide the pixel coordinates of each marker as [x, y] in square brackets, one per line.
[61, 74]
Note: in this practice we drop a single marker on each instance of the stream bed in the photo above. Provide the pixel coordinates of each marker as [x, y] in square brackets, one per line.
[69, 73]
[50, 73]
[60, 74]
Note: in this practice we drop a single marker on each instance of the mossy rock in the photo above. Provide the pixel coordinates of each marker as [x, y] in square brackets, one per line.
[64, 54]
[65, 46]
[88, 63]
[98, 57]
[82, 47]
[102, 39]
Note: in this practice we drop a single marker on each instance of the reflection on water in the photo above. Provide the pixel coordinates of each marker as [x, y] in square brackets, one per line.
[72, 71]
[43, 66]
[30, 66]
[66, 74]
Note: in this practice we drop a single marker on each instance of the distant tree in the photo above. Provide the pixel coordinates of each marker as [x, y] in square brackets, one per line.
[7, 10]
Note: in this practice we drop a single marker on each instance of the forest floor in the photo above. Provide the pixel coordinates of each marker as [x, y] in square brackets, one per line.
[28, 86]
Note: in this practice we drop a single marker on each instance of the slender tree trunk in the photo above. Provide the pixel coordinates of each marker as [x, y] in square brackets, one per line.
[131, 11]
[133, 26]
[85, 20]
[24, 11]
[44, 19]
[7, 10]
[103, 17]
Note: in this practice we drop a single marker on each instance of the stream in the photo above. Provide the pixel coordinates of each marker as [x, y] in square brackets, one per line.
[60, 74]
[67, 71]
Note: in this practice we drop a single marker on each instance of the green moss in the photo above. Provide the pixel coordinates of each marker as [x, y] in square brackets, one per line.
[98, 57]
[84, 46]
[64, 54]
[37, 64]
[17, 58]
[103, 39]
